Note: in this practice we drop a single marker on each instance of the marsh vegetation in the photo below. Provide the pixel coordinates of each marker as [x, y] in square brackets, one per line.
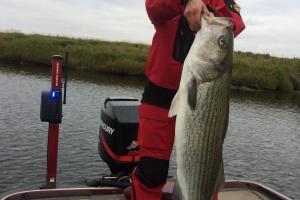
[256, 71]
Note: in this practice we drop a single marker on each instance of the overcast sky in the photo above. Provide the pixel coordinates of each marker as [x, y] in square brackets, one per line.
[272, 25]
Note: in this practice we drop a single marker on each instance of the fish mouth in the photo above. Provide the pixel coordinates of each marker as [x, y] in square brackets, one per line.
[225, 21]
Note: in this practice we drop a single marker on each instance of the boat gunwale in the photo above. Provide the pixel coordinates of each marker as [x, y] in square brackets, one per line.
[89, 191]
[62, 192]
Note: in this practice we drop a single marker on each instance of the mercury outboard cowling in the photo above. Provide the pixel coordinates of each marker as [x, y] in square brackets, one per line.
[118, 134]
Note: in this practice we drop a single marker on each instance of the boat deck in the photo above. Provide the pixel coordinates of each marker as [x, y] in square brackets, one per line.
[241, 194]
[229, 194]
[233, 190]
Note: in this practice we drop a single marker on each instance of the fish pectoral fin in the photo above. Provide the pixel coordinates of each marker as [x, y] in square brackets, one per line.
[186, 94]
[192, 94]
[175, 105]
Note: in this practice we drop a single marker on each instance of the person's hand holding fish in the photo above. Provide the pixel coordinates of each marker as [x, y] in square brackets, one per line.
[193, 11]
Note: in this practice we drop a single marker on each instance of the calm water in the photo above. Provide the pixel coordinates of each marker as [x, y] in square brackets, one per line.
[262, 142]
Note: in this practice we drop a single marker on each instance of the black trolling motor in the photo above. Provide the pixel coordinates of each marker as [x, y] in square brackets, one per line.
[117, 133]
[51, 112]
[117, 141]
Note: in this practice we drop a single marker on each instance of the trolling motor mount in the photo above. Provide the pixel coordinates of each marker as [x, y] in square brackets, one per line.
[51, 112]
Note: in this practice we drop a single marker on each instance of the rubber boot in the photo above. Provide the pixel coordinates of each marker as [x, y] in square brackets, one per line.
[142, 192]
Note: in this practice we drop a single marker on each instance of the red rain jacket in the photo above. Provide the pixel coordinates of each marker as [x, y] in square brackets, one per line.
[161, 68]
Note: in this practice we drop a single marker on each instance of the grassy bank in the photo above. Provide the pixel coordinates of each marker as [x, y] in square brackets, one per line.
[84, 54]
[251, 70]
[261, 71]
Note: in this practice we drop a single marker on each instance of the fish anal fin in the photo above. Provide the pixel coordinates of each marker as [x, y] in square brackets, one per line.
[192, 94]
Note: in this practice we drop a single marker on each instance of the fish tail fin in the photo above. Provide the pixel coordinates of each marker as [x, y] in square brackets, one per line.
[175, 104]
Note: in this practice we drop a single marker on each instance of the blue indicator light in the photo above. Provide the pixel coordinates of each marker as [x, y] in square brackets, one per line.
[54, 95]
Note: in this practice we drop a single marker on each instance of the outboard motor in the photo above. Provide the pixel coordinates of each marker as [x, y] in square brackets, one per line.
[117, 141]
[118, 135]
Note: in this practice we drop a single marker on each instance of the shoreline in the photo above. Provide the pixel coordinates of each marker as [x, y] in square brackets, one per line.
[254, 71]
[236, 87]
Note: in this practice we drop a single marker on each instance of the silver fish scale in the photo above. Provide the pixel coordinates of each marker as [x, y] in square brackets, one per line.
[204, 132]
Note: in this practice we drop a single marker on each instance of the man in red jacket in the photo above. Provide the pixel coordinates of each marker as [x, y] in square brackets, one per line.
[174, 22]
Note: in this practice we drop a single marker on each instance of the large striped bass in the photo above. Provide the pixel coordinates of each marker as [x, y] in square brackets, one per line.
[202, 108]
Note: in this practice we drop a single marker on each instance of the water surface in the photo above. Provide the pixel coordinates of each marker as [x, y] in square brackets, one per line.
[262, 142]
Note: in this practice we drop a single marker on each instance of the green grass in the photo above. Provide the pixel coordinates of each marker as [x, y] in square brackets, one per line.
[258, 71]
[84, 54]
[262, 71]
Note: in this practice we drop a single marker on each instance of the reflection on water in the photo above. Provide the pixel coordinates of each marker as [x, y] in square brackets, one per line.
[90, 77]
[269, 98]
[261, 144]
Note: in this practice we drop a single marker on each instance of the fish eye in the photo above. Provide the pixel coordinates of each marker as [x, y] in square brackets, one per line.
[222, 42]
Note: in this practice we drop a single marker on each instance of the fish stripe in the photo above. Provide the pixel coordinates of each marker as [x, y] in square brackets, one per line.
[210, 170]
[203, 148]
[208, 109]
[210, 145]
